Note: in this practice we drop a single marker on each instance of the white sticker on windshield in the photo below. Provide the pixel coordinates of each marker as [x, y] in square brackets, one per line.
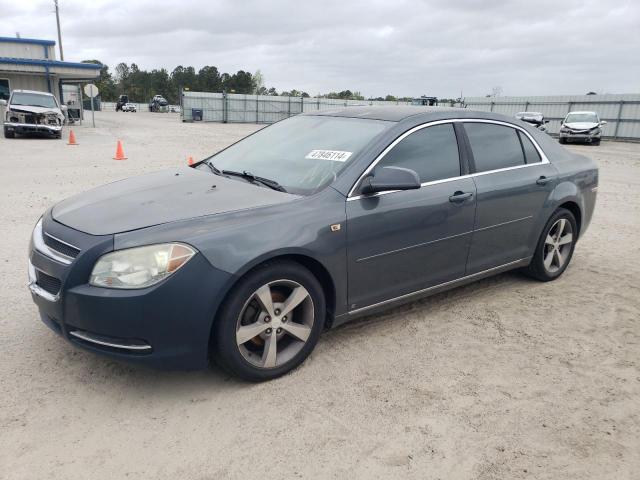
[334, 155]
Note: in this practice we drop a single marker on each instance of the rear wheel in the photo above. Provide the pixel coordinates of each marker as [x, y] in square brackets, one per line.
[270, 322]
[555, 247]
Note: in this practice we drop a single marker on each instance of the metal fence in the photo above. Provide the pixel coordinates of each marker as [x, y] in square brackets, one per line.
[238, 108]
[622, 112]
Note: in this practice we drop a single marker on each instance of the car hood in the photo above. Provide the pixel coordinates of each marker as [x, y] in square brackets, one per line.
[34, 109]
[581, 125]
[161, 197]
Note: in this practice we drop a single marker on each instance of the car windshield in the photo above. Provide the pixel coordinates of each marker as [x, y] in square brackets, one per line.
[33, 100]
[588, 117]
[303, 153]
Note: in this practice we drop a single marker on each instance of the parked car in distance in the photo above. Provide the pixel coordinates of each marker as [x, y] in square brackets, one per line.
[247, 256]
[158, 104]
[29, 111]
[122, 101]
[581, 127]
[534, 118]
[129, 107]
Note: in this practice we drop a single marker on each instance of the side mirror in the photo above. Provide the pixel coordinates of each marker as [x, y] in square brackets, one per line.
[603, 122]
[3, 102]
[390, 178]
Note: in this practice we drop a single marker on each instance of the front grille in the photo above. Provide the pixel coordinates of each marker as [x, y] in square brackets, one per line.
[60, 247]
[48, 283]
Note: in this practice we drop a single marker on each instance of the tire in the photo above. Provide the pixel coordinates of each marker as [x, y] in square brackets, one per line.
[563, 141]
[540, 267]
[8, 134]
[244, 309]
[596, 141]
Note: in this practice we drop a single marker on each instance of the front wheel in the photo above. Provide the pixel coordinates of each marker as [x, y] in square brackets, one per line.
[555, 247]
[9, 134]
[270, 322]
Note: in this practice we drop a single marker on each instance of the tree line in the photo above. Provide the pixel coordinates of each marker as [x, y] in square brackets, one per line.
[142, 85]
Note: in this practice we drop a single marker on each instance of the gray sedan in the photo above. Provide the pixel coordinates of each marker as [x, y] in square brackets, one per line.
[247, 256]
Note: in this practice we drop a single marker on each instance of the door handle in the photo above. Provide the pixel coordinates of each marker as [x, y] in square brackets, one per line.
[459, 197]
[543, 180]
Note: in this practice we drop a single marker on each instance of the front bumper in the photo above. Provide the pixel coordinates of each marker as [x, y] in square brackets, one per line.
[32, 128]
[164, 326]
[581, 136]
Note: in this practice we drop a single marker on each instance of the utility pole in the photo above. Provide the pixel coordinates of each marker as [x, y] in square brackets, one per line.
[55, 2]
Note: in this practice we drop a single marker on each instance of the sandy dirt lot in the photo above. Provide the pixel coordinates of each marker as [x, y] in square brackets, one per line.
[505, 378]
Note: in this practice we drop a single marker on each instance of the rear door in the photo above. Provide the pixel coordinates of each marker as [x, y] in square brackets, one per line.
[404, 241]
[513, 181]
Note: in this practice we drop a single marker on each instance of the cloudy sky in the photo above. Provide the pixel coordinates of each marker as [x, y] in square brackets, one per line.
[441, 48]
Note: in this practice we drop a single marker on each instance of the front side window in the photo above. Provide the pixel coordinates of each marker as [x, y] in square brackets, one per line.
[303, 153]
[4, 89]
[494, 146]
[34, 100]
[431, 152]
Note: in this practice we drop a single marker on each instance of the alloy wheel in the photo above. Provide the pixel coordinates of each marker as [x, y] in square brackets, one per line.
[557, 245]
[275, 323]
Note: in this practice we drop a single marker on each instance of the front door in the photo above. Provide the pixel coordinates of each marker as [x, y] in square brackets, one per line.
[404, 241]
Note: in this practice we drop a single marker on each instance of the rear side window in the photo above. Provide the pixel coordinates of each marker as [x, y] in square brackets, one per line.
[494, 146]
[431, 152]
[531, 155]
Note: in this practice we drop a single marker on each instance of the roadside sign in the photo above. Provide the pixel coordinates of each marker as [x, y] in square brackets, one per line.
[90, 90]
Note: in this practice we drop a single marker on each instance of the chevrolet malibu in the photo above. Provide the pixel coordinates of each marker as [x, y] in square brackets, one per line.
[247, 256]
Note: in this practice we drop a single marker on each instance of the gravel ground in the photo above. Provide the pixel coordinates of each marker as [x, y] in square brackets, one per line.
[505, 378]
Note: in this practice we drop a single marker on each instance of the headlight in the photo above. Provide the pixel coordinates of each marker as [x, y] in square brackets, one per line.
[564, 129]
[139, 267]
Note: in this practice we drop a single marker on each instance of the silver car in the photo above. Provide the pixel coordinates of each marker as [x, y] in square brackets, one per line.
[581, 127]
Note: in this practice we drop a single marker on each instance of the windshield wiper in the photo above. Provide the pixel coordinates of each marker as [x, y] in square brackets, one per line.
[267, 182]
[213, 168]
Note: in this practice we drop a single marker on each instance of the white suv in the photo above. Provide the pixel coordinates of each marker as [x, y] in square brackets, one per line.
[29, 111]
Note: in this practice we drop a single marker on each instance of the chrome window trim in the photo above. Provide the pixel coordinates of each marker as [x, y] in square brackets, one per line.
[544, 159]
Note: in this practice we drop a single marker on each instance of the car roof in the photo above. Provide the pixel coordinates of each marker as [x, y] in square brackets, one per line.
[33, 91]
[411, 113]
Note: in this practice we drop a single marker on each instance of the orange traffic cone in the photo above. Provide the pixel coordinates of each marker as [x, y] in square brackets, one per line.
[190, 160]
[72, 138]
[119, 152]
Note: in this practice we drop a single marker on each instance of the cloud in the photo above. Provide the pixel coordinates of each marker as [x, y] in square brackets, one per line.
[401, 47]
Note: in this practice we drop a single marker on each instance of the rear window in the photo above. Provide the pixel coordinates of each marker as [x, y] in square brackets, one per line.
[531, 154]
[494, 146]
